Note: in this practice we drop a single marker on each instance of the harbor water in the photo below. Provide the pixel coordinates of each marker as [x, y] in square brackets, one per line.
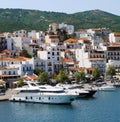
[103, 107]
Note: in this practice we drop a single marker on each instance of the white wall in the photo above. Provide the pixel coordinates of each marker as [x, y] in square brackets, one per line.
[111, 38]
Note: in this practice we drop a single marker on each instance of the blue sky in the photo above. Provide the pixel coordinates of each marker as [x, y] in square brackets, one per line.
[66, 6]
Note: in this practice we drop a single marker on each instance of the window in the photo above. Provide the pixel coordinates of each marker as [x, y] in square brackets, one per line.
[13, 72]
[52, 53]
[48, 52]
[58, 58]
[57, 53]
[27, 68]
[9, 73]
[23, 68]
[48, 57]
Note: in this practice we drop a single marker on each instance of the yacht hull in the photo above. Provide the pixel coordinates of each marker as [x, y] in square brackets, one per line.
[46, 99]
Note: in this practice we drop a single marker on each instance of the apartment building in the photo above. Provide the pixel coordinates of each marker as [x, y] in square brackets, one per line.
[51, 58]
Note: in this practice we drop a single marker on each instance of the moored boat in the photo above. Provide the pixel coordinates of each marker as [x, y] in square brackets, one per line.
[43, 95]
[91, 92]
[106, 88]
[81, 91]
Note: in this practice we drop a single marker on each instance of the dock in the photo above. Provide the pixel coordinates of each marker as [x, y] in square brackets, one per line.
[7, 95]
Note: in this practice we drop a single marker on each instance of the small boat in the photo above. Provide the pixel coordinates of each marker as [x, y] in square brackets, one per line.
[117, 85]
[106, 88]
[43, 94]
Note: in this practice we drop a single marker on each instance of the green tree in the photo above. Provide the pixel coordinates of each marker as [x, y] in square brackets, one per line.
[62, 76]
[37, 71]
[35, 53]
[43, 77]
[96, 73]
[82, 75]
[20, 82]
[25, 53]
[111, 70]
[79, 75]
[63, 35]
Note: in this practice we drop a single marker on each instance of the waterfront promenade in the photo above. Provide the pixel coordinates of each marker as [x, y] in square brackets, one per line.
[10, 92]
[7, 95]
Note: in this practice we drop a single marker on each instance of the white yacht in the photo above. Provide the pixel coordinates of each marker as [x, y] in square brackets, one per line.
[78, 89]
[106, 88]
[43, 94]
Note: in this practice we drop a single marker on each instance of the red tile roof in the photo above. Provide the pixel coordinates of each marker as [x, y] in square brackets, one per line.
[76, 69]
[67, 51]
[34, 39]
[70, 41]
[96, 29]
[80, 30]
[117, 33]
[90, 69]
[83, 38]
[30, 77]
[12, 59]
[66, 60]
[7, 51]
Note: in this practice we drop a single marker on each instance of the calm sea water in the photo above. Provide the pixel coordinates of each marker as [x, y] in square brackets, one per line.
[104, 107]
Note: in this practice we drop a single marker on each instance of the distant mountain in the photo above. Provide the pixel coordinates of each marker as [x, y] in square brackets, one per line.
[15, 19]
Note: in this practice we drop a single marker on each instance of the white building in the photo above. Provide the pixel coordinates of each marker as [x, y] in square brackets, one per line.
[3, 42]
[114, 37]
[99, 31]
[113, 55]
[32, 34]
[51, 58]
[20, 33]
[11, 53]
[88, 57]
[8, 37]
[67, 28]
[41, 36]
[83, 34]
[17, 42]
[51, 39]
[91, 59]
[38, 35]
[22, 64]
[53, 27]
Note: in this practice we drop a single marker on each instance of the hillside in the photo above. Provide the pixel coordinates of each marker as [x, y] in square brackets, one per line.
[15, 19]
